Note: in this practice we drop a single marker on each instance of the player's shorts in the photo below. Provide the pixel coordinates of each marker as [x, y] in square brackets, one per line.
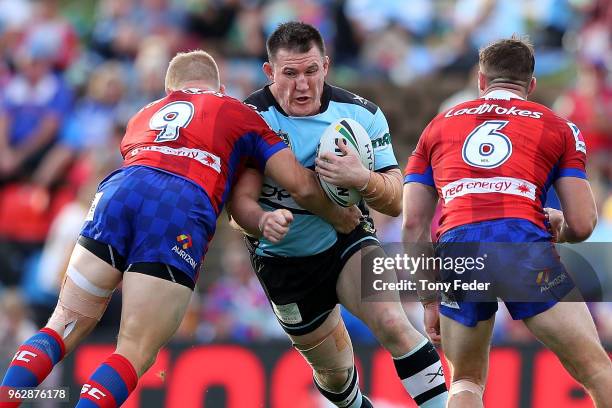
[148, 216]
[520, 262]
[302, 290]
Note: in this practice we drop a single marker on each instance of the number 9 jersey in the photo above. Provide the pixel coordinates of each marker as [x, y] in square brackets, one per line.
[203, 136]
[182, 153]
[495, 157]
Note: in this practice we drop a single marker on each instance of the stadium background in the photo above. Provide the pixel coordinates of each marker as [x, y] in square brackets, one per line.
[73, 72]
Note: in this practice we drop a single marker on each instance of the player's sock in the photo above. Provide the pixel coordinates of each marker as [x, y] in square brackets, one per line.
[349, 397]
[35, 359]
[421, 373]
[110, 385]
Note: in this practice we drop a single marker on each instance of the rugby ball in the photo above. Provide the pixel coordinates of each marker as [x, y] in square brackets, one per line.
[357, 138]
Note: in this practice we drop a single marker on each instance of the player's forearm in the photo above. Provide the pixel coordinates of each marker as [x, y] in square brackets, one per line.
[312, 198]
[577, 233]
[383, 192]
[417, 243]
[245, 215]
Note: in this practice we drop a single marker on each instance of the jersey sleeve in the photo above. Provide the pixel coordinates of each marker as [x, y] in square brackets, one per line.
[263, 142]
[384, 158]
[419, 168]
[573, 159]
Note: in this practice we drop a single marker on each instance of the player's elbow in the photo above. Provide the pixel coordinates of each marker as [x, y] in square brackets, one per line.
[394, 208]
[415, 229]
[305, 193]
[582, 225]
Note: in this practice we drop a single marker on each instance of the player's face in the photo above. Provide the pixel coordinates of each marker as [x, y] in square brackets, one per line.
[298, 80]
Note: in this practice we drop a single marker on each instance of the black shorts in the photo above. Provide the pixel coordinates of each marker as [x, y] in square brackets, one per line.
[302, 290]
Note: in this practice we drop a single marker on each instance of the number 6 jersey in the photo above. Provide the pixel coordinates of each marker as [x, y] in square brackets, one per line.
[202, 136]
[495, 157]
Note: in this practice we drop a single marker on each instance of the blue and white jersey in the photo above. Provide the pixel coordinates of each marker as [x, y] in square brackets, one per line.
[309, 234]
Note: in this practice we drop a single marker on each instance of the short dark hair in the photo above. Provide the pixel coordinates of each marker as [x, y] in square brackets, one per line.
[294, 36]
[508, 60]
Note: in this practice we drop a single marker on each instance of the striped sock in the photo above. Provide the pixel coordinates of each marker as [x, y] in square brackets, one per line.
[110, 385]
[33, 362]
[421, 373]
[35, 359]
[350, 397]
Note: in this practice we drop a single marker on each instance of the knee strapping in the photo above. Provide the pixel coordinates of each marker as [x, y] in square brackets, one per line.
[78, 298]
[330, 357]
[467, 386]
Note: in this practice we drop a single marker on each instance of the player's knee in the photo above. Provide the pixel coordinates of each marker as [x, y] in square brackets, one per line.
[331, 358]
[391, 327]
[334, 381]
[473, 386]
[589, 371]
[80, 306]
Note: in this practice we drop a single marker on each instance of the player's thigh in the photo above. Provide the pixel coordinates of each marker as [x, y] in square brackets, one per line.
[379, 312]
[96, 270]
[349, 286]
[467, 348]
[152, 311]
[84, 296]
[568, 330]
[315, 336]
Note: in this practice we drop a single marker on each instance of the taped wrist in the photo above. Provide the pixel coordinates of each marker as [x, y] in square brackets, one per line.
[383, 190]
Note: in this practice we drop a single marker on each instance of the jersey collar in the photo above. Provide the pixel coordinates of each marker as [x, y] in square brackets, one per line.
[501, 94]
[325, 98]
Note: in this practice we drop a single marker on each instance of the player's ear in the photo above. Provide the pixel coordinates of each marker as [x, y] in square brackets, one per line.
[267, 69]
[325, 64]
[482, 82]
[532, 86]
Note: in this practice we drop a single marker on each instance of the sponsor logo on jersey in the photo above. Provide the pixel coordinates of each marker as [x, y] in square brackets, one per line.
[284, 137]
[546, 284]
[382, 142]
[494, 108]
[185, 256]
[185, 239]
[360, 99]
[201, 156]
[92, 208]
[578, 138]
[543, 276]
[502, 185]
[274, 192]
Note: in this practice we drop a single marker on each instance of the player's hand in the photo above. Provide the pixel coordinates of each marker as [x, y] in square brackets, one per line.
[274, 225]
[349, 218]
[431, 321]
[343, 171]
[555, 220]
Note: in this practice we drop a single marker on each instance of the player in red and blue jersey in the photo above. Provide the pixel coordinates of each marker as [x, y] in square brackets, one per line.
[150, 224]
[491, 161]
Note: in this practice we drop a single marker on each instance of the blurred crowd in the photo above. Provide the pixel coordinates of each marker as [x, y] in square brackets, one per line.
[72, 73]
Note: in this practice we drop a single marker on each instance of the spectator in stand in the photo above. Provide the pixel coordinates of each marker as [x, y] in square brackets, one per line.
[51, 30]
[589, 105]
[33, 106]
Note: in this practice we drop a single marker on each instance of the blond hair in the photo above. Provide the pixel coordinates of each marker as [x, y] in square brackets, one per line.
[192, 66]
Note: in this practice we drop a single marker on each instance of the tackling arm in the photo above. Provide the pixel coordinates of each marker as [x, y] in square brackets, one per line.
[579, 209]
[419, 204]
[244, 210]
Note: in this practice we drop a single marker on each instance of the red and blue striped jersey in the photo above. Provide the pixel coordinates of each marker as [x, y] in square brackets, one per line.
[202, 136]
[495, 157]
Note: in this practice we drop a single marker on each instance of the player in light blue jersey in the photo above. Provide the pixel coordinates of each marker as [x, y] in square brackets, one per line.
[305, 267]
